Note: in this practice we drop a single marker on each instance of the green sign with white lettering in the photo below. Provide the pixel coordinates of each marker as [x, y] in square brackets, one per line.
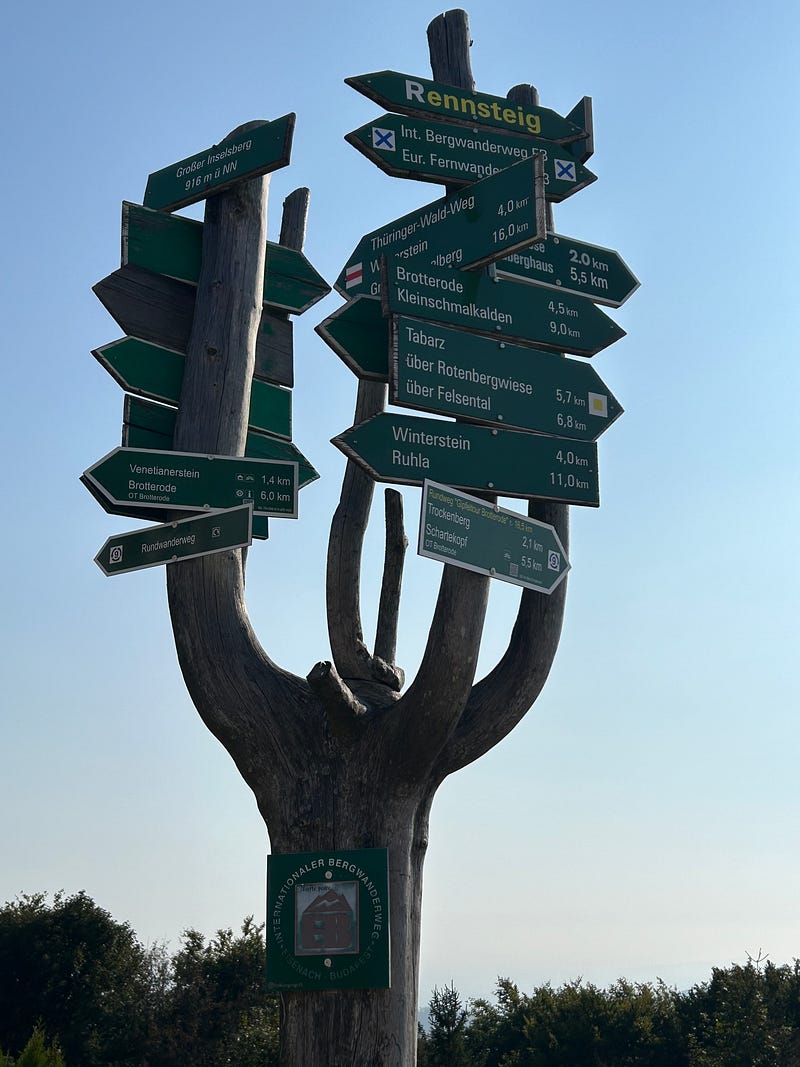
[440, 152]
[407, 450]
[328, 920]
[173, 245]
[157, 373]
[571, 266]
[468, 532]
[502, 308]
[188, 481]
[450, 372]
[258, 150]
[420, 96]
[200, 535]
[465, 229]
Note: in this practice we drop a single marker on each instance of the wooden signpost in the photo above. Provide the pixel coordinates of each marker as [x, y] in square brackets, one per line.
[344, 762]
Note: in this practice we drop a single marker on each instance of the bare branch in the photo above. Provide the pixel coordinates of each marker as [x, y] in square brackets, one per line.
[529, 94]
[396, 545]
[294, 219]
[426, 714]
[342, 707]
[449, 43]
[345, 545]
[501, 699]
[240, 694]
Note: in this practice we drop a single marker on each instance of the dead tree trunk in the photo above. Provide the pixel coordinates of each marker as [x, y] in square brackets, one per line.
[339, 760]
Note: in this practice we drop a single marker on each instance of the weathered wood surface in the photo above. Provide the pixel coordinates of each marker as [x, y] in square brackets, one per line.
[161, 310]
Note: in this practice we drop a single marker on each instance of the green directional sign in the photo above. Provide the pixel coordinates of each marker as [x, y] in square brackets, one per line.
[404, 449]
[201, 535]
[328, 919]
[149, 425]
[358, 333]
[440, 152]
[419, 96]
[258, 150]
[571, 266]
[465, 229]
[467, 532]
[173, 245]
[499, 307]
[187, 481]
[157, 373]
[450, 372]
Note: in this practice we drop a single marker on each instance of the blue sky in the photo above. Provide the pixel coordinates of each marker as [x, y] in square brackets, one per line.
[643, 819]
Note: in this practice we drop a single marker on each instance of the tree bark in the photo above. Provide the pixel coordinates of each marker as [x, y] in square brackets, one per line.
[340, 759]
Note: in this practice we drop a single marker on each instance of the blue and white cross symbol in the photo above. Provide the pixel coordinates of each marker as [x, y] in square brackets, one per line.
[383, 139]
[565, 170]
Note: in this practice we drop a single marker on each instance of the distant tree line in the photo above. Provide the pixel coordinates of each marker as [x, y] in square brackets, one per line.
[77, 989]
[745, 1016]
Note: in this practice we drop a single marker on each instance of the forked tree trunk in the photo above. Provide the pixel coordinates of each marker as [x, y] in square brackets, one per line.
[339, 760]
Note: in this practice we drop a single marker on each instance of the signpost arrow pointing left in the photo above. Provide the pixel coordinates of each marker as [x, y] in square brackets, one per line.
[439, 152]
[419, 96]
[188, 481]
[406, 449]
[200, 535]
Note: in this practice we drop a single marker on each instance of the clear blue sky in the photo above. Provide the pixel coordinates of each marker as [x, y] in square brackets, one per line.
[643, 820]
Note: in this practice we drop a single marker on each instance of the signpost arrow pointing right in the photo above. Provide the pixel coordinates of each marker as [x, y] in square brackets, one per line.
[450, 372]
[466, 229]
[173, 245]
[358, 333]
[570, 266]
[467, 532]
[501, 308]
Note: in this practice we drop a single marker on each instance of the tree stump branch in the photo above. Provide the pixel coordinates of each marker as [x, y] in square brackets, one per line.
[343, 708]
